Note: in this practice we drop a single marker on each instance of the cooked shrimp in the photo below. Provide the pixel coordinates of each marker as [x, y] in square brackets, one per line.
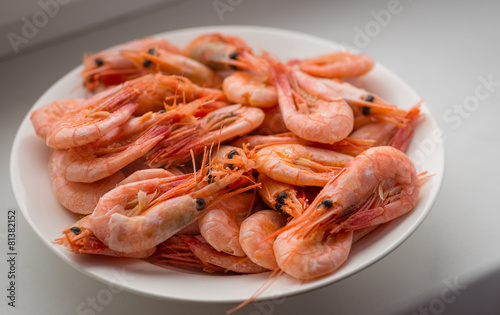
[220, 52]
[79, 239]
[300, 165]
[307, 258]
[250, 88]
[350, 146]
[280, 196]
[336, 65]
[88, 168]
[220, 225]
[254, 230]
[166, 62]
[367, 106]
[80, 198]
[386, 133]
[112, 67]
[180, 202]
[218, 126]
[310, 110]
[107, 110]
[340, 205]
[45, 117]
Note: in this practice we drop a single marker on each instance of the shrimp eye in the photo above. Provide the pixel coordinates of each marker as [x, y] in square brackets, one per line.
[200, 204]
[98, 62]
[161, 111]
[230, 166]
[279, 207]
[151, 51]
[281, 197]
[75, 230]
[366, 110]
[234, 55]
[231, 154]
[327, 203]
[147, 63]
[369, 98]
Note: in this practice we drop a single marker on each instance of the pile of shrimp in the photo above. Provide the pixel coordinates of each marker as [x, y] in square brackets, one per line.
[217, 158]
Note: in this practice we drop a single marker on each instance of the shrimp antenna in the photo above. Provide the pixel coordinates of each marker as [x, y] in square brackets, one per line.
[269, 281]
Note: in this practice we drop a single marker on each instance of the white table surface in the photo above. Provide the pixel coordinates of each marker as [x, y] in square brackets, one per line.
[450, 265]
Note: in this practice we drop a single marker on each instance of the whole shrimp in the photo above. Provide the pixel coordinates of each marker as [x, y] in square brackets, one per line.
[112, 66]
[306, 247]
[387, 133]
[80, 198]
[220, 225]
[250, 88]
[46, 116]
[366, 106]
[300, 165]
[254, 239]
[350, 145]
[89, 168]
[156, 218]
[310, 110]
[101, 113]
[220, 52]
[218, 126]
[159, 60]
[336, 65]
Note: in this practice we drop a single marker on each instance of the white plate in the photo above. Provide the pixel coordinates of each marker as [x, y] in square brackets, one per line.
[34, 195]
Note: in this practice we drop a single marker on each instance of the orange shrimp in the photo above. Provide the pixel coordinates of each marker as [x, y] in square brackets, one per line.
[164, 206]
[45, 117]
[350, 145]
[300, 165]
[80, 198]
[308, 240]
[310, 110]
[111, 66]
[338, 64]
[218, 126]
[220, 225]
[254, 234]
[107, 110]
[220, 52]
[366, 106]
[79, 239]
[250, 88]
[160, 60]
[115, 153]
[280, 196]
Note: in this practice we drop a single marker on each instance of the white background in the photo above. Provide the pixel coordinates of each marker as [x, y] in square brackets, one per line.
[441, 48]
